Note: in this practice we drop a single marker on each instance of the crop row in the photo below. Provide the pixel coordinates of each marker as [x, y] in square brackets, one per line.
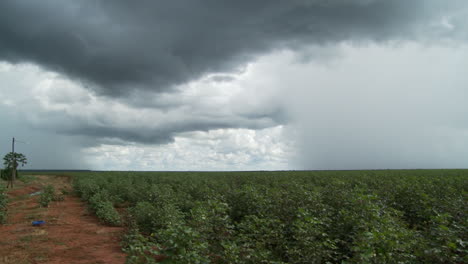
[285, 217]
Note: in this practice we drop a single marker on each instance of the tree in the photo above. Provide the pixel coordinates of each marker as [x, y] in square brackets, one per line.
[11, 162]
[14, 158]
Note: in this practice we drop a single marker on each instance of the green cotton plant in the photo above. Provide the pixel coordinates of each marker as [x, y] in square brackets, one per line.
[85, 188]
[100, 203]
[98, 198]
[47, 196]
[211, 219]
[297, 217]
[144, 214]
[445, 245]
[182, 244]
[139, 248]
[151, 218]
[377, 234]
[261, 239]
[249, 200]
[311, 241]
[106, 212]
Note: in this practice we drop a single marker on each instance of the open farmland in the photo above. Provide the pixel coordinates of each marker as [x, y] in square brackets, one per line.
[234, 132]
[70, 234]
[387, 216]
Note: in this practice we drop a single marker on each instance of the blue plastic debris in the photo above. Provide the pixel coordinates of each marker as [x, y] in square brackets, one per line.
[38, 223]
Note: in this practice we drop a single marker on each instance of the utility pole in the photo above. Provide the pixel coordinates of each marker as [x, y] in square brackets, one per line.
[14, 163]
[13, 171]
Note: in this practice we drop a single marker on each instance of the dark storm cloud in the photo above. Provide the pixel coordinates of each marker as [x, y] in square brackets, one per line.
[119, 46]
[125, 51]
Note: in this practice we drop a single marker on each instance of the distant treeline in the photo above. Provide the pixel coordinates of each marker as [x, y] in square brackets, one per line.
[42, 171]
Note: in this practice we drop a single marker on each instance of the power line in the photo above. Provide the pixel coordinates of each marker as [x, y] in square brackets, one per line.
[24, 142]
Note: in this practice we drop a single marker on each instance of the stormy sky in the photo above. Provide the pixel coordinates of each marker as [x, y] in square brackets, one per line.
[235, 85]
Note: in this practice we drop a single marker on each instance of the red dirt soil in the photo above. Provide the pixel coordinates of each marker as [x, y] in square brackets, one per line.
[71, 234]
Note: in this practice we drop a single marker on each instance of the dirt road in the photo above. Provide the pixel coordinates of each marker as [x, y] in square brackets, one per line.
[71, 234]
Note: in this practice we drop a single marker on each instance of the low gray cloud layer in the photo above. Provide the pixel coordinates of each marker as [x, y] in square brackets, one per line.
[117, 46]
[50, 102]
[43, 150]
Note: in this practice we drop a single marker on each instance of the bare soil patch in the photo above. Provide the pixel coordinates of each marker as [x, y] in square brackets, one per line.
[71, 234]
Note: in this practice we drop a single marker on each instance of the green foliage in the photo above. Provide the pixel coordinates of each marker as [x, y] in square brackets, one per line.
[86, 188]
[100, 200]
[260, 240]
[144, 214]
[5, 174]
[182, 244]
[151, 218]
[310, 242]
[25, 178]
[47, 196]
[376, 233]
[446, 243]
[140, 249]
[100, 203]
[106, 212]
[12, 160]
[408, 216]
[3, 205]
